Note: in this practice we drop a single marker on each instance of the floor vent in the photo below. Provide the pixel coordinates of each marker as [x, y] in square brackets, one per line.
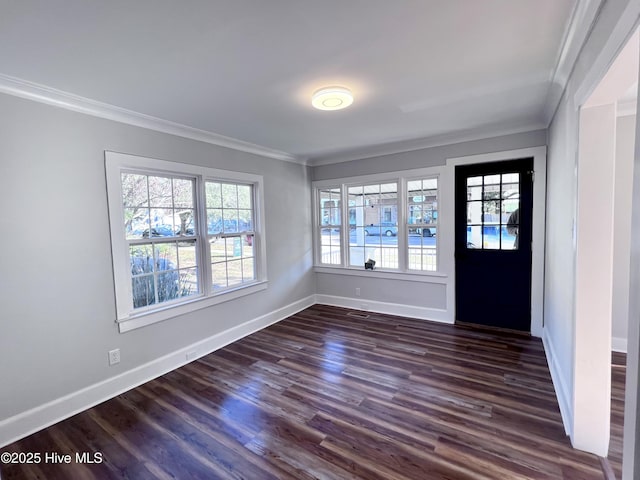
[358, 315]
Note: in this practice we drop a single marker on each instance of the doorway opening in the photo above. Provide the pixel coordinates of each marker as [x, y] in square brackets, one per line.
[607, 136]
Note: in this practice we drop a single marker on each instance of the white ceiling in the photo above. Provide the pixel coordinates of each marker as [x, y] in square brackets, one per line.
[246, 69]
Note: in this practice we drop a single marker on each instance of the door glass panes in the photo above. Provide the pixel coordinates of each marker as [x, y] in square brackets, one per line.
[422, 219]
[493, 203]
[491, 187]
[329, 218]
[373, 225]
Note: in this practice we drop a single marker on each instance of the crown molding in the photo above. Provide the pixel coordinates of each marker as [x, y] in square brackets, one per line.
[422, 143]
[58, 98]
[583, 18]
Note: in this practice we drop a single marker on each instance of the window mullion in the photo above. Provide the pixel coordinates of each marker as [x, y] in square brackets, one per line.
[344, 225]
[403, 231]
[129, 279]
[317, 228]
[258, 232]
[203, 250]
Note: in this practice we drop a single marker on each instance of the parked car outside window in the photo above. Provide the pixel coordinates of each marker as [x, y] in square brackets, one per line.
[427, 231]
[159, 231]
[384, 228]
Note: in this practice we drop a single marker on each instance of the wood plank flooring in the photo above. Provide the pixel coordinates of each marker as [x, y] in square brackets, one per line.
[618, 374]
[329, 395]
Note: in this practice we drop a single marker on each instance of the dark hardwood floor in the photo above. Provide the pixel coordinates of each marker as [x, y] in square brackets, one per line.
[618, 373]
[329, 395]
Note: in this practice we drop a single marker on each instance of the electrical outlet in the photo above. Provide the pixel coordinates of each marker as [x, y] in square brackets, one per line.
[358, 292]
[191, 355]
[114, 356]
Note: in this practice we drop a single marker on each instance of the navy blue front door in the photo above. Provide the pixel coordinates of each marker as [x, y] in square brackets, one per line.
[493, 218]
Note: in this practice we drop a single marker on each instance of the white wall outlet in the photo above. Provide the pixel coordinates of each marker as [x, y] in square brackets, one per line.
[357, 291]
[114, 356]
[192, 355]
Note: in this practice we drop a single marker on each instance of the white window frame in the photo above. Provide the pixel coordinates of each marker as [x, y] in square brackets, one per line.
[318, 226]
[126, 317]
[403, 271]
[346, 233]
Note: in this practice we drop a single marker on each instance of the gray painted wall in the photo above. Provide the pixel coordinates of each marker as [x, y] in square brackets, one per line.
[429, 157]
[57, 291]
[560, 251]
[423, 295]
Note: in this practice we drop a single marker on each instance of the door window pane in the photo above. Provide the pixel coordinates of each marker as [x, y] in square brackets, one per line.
[493, 203]
[474, 193]
[474, 212]
[509, 241]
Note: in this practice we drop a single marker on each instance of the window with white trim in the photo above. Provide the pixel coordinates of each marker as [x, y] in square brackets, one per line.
[329, 214]
[373, 221]
[392, 219]
[230, 233]
[422, 221]
[183, 237]
[159, 233]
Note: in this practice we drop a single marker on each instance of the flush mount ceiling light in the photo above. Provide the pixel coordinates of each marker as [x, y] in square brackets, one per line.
[332, 98]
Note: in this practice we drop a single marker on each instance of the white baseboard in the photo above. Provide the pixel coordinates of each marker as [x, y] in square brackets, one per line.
[433, 314]
[31, 421]
[619, 344]
[559, 383]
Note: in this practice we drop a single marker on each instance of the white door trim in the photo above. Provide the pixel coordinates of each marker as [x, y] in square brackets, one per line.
[539, 155]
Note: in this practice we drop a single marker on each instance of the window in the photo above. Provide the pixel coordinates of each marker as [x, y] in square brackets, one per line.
[230, 233]
[374, 234]
[391, 219]
[158, 216]
[183, 237]
[422, 217]
[329, 225]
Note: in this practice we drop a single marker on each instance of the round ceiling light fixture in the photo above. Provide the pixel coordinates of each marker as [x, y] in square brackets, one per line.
[332, 98]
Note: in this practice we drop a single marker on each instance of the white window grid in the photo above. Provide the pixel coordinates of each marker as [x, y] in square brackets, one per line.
[329, 221]
[402, 180]
[129, 318]
[424, 256]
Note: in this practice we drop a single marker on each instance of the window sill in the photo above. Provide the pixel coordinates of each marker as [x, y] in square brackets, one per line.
[138, 320]
[425, 277]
